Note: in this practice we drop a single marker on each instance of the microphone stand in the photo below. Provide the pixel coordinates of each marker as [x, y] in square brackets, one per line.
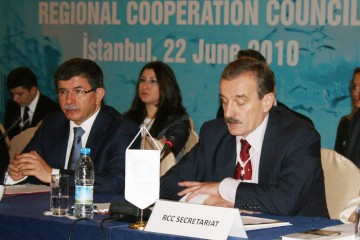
[139, 225]
[16, 122]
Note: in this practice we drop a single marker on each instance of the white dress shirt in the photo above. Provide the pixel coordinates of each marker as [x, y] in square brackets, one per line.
[86, 126]
[228, 186]
[32, 107]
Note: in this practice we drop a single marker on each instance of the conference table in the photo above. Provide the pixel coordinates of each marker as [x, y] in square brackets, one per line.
[22, 217]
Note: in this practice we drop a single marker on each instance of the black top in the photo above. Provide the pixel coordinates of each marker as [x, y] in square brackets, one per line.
[4, 158]
[352, 146]
[342, 135]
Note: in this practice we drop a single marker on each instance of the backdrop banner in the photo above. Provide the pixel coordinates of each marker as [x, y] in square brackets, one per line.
[311, 45]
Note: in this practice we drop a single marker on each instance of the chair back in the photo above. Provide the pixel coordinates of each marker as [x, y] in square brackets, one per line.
[342, 181]
[19, 142]
[168, 159]
[193, 137]
[192, 140]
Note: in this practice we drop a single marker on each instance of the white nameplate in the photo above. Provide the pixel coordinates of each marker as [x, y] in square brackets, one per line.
[195, 220]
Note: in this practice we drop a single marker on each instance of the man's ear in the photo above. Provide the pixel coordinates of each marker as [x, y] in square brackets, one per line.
[33, 89]
[100, 93]
[268, 101]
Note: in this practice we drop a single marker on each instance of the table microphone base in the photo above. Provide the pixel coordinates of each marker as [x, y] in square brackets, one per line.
[139, 225]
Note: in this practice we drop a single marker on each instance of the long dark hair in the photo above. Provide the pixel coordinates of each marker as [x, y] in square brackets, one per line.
[170, 100]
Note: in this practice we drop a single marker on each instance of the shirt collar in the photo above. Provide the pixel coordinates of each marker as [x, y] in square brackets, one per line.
[32, 105]
[87, 124]
[256, 137]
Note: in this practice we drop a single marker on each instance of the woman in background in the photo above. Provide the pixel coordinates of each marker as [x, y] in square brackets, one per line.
[342, 134]
[157, 105]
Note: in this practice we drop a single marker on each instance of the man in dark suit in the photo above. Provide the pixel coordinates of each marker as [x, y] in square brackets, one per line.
[26, 101]
[278, 171]
[80, 91]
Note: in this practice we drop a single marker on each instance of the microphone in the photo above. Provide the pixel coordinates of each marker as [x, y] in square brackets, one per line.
[168, 144]
[15, 123]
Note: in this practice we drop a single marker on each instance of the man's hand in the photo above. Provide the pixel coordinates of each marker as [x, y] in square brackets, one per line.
[30, 164]
[13, 169]
[196, 188]
[352, 217]
[218, 201]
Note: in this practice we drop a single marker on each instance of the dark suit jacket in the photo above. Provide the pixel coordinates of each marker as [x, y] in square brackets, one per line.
[44, 106]
[4, 158]
[299, 115]
[352, 147]
[291, 179]
[110, 135]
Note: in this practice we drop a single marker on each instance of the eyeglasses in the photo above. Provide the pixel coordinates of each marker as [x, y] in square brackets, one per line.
[151, 81]
[79, 92]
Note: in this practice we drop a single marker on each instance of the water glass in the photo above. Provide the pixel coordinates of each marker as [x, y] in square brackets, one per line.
[59, 194]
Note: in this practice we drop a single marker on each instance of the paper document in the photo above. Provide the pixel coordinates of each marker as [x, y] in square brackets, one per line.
[25, 189]
[254, 223]
[342, 232]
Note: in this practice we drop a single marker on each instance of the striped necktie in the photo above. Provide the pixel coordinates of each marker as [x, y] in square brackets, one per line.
[75, 150]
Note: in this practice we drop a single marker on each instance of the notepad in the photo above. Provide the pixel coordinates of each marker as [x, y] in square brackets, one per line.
[254, 223]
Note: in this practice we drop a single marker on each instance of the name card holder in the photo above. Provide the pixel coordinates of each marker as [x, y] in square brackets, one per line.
[195, 220]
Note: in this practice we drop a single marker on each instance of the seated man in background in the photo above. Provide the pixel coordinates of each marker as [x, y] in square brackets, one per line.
[259, 157]
[27, 102]
[84, 120]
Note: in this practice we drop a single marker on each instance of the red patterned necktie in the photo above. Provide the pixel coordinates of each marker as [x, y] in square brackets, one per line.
[244, 156]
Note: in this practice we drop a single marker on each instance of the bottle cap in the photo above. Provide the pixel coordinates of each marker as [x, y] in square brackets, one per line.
[85, 151]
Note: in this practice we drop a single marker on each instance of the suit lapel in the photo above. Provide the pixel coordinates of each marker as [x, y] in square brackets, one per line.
[227, 157]
[266, 157]
[98, 131]
[59, 141]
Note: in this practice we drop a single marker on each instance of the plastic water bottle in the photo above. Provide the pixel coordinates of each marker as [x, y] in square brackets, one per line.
[84, 185]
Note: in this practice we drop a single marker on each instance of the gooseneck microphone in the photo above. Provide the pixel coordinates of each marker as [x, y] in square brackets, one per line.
[168, 144]
[15, 123]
